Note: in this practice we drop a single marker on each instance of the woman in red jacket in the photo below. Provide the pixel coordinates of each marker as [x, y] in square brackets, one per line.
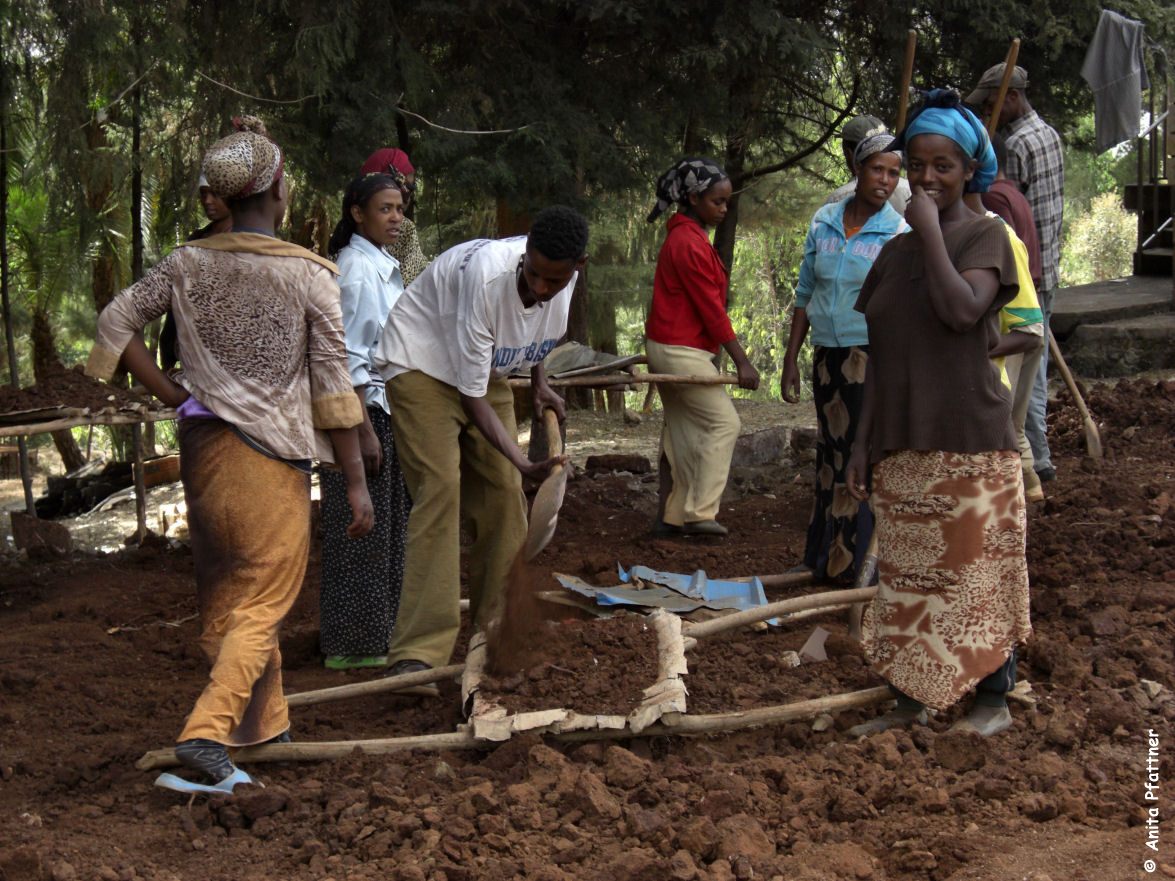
[687, 325]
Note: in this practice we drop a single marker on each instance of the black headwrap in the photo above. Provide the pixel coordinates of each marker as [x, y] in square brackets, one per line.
[690, 175]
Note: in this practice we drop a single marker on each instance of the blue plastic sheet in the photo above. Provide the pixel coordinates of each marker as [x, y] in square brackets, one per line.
[673, 592]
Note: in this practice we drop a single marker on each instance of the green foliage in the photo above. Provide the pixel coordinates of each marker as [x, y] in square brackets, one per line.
[1100, 242]
[585, 102]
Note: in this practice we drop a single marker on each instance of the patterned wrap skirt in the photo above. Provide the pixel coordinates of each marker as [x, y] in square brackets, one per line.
[840, 528]
[952, 599]
[359, 596]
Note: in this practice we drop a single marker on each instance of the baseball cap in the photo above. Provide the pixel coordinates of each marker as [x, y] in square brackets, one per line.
[989, 83]
[859, 128]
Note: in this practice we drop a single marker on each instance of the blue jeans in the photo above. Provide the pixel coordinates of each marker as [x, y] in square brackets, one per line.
[1035, 425]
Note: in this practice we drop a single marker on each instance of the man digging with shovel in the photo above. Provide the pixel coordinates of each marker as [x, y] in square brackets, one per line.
[479, 312]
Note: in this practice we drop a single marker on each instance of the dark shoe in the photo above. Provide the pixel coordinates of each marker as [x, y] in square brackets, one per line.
[410, 665]
[705, 527]
[661, 529]
[985, 721]
[207, 757]
[1047, 474]
[886, 721]
[284, 737]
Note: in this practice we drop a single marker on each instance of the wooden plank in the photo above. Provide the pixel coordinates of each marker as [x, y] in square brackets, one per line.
[93, 419]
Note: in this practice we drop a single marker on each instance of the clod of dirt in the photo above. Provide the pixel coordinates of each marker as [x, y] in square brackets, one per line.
[960, 750]
[601, 666]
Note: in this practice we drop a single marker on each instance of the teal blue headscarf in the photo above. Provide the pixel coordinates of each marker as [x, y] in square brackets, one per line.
[942, 113]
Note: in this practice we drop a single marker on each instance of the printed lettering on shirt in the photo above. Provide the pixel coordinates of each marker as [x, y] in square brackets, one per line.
[513, 356]
[827, 245]
[868, 250]
[473, 249]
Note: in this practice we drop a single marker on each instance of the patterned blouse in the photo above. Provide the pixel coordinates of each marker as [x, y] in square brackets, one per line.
[406, 249]
[260, 336]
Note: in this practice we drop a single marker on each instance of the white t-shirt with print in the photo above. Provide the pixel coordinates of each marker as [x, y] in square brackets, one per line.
[462, 322]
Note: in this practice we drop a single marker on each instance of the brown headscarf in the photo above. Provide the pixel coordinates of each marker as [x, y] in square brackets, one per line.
[245, 163]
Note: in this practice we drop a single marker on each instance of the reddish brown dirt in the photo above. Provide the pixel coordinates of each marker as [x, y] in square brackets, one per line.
[1059, 797]
[599, 666]
[67, 387]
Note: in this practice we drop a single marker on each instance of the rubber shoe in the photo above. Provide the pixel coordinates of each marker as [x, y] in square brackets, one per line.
[661, 529]
[284, 737]
[985, 721]
[354, 662]
[1047, 474]
[410, 665]
[206, 757]
[886, 721]
[705, 527]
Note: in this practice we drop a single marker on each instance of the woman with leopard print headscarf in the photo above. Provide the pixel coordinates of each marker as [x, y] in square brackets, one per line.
[261, 339]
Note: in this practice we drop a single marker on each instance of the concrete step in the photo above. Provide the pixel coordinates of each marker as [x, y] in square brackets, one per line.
[1125, 346]
[1112, 300]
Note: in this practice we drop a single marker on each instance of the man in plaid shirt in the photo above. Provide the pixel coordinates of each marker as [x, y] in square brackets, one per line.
[1035, 163]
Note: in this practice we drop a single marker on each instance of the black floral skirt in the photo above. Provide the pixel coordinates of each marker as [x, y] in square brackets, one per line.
[840, 528]
[359, 595]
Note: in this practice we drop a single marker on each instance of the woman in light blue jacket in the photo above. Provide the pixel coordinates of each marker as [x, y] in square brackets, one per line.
[843, 241]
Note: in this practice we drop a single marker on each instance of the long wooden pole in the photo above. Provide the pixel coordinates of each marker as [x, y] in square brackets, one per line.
[1093, 438]
[375, 686]
[315, 752]
[907, 78]
[629, 379]
[684, 724]
[796, 604]
[993, 121]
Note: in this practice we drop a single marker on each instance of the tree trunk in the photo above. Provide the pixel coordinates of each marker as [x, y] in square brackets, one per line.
[724, 236]
[45, 362]
[26, 476]
[578, 331]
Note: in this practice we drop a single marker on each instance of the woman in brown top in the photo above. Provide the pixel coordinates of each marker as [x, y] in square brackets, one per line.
[948, 496]
[260, 336]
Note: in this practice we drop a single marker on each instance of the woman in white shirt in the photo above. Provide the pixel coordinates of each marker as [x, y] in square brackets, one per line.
[359, 594]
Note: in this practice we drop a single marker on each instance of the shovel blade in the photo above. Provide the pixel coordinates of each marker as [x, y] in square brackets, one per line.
[544, 513]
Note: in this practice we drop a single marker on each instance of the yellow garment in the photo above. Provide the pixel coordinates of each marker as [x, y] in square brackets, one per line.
[249, 520]
[454, 476]
[698, 436]
[1023, 313]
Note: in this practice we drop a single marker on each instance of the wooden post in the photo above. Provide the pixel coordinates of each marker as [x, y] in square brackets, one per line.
[140, 483]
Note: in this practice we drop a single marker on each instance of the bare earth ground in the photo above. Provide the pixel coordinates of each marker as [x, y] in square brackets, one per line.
[98, 663]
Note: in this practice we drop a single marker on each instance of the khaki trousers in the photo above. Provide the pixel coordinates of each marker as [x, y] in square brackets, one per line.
[1022, 370]
[700, 428]
[249, 522]
[453, 476]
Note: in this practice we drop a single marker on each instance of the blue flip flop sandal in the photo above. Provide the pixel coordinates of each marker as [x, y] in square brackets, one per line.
[224, 787]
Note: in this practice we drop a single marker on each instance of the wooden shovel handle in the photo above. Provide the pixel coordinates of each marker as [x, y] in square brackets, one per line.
[907, 78]
[1009, 68]
[554, 435]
